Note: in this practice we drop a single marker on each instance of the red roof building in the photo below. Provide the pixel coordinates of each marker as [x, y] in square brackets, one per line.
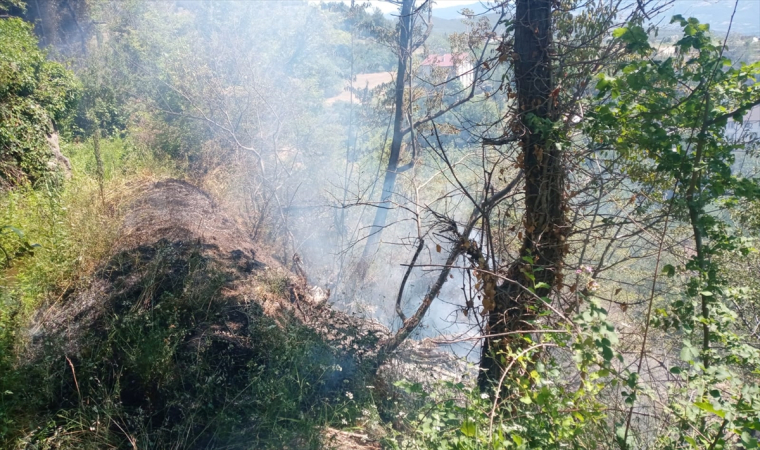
[459, 65]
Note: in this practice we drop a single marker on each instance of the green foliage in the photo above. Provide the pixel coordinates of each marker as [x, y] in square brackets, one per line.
[63, 230]
[6, 5]
[55, 235]
[662, 122]
[34, 95]
[23, 244]
[180, 384]
[368, 56]
[150, 372]
[549, 404]
[668, 119]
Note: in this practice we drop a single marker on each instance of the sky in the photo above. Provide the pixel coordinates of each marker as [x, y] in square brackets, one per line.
[389, 8]
[716, 12]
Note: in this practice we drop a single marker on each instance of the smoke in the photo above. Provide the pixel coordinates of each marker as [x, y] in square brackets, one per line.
[240, 90]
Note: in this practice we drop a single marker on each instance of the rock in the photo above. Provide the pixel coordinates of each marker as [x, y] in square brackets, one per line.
[59, 161]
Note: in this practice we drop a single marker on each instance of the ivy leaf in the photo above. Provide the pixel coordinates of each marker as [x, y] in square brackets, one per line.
[689, 353]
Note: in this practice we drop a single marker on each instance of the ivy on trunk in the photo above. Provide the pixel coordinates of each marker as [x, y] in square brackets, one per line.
[515, 304]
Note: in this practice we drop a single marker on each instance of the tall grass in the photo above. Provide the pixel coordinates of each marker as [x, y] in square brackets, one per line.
[52, 237]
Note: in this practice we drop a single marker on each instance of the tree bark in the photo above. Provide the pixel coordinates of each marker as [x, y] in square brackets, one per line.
[391, 171]
[513, 306]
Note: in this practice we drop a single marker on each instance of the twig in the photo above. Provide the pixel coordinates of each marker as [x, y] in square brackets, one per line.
[406, 276]
[388, 346]
[649, 313]
[76, 383]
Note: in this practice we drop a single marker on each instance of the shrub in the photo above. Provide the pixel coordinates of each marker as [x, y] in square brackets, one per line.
[34, 95]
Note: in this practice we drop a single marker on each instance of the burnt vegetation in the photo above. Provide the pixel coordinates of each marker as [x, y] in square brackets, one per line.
[293, 224]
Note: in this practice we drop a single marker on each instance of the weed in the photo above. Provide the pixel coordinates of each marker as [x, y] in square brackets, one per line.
[274, 282]
[53, 236]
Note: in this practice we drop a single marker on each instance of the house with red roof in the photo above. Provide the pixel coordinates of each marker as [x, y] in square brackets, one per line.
[454, 65]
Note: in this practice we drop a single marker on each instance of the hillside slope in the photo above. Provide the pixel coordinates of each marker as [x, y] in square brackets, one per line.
[187, 337]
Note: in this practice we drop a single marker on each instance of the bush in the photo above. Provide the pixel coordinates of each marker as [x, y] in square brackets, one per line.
[52, 238]
[35, 94]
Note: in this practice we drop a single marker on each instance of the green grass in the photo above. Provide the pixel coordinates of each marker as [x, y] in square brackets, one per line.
[53, 236]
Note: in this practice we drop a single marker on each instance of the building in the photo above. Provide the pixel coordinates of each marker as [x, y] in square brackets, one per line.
[454, 66]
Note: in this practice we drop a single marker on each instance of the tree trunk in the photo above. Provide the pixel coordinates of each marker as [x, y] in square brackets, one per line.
[389, 182]
[513, 307]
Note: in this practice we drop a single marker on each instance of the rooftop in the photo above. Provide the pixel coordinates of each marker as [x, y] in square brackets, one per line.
[446, 60]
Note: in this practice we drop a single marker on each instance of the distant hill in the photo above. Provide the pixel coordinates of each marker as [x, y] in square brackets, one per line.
[447, 26]
[442, 11]
[715, 12]
[718, 14]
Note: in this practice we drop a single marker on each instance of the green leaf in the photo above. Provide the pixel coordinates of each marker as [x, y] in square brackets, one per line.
[705, 406]
[468, 428]
[669, 270]
[518, 440]
[607, 353]
[689, 353]
[15, 230]
[748, 440]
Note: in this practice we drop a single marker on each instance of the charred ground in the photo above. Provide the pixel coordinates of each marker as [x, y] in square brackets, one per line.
[186, 338]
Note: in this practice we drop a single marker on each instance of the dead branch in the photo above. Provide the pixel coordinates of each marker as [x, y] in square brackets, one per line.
[406, 276]
[388, 346]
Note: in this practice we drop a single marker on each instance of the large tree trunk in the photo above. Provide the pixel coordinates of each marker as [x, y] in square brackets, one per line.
[513, 307]
[404, 56]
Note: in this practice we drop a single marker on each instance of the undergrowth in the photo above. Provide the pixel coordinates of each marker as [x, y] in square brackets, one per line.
[169, 361]
[157, 371]
[69, 227]
[53, 235]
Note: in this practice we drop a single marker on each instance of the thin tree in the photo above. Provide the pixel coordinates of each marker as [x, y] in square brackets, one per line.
[404, 49]
[404, 124]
